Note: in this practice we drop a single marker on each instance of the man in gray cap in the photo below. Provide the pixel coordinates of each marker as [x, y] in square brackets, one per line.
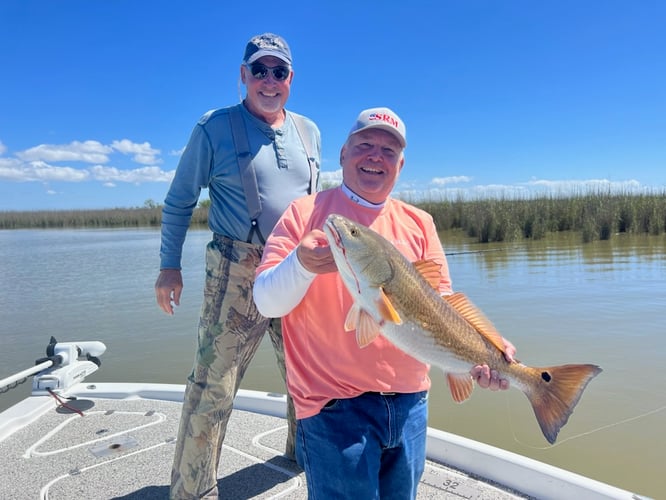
[255, 158]
[362, 413]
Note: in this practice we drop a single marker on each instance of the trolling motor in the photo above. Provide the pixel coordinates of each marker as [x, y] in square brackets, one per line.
[65, 364]
[72, 362]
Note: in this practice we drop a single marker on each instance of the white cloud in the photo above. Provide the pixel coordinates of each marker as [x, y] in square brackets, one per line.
[524, 190]
[90, 152]
[39, 163]
[143, 153]
[9, 169]
[135, 176]
[86, 152]
[574, 186]
[14, 170]
[458, 179]
[330, 178]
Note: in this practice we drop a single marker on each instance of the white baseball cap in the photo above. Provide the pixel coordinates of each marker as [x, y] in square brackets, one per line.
[382, 118]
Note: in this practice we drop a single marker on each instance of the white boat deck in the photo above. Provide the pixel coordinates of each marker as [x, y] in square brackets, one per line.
[122, 449]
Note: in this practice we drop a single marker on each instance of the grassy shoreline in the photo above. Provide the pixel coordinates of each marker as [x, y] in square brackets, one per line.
[596, 216]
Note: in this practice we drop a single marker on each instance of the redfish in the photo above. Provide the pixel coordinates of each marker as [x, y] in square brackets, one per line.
[396, 298]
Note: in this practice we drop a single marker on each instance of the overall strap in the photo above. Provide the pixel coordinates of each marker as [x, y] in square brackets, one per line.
[247, 173]
[309, 149]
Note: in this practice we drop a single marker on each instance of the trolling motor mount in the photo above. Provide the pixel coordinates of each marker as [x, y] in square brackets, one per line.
[72, 362]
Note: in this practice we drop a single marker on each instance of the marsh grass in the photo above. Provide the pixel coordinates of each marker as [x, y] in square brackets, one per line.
[594, 215]
[109, 218]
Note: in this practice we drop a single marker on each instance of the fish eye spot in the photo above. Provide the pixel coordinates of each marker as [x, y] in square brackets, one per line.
[546, 376]
[354, 231]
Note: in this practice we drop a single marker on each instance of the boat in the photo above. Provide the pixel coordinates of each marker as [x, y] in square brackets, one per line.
[72, 438]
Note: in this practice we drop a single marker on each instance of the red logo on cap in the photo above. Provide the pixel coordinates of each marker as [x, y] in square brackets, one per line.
[383, 117]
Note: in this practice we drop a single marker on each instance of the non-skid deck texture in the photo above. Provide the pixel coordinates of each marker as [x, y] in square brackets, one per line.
[123, 450]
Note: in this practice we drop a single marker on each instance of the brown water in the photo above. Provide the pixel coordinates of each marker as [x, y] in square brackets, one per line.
[557, 300]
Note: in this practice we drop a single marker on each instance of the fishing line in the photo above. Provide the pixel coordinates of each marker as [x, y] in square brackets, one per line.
[582, 434]
[465, 252]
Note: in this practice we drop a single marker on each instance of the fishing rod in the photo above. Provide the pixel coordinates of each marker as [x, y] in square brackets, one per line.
[18, 378]
[68, 360]
[448, 254]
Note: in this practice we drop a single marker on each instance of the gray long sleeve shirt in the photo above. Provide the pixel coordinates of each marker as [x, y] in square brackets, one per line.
[209, 161]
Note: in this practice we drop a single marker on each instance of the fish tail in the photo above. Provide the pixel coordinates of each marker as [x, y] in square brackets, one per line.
[555, 392]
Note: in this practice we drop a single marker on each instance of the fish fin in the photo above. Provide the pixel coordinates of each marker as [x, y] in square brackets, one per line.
[353, 317]
[476, 318]
[460, 385]
[386, 309]
[431, 272]
[367, 329]
[554, 393]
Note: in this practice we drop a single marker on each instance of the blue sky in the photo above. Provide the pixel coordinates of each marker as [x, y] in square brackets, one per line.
[97, 98]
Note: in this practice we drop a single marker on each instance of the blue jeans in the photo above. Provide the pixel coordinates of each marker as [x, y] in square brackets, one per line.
[371, 446]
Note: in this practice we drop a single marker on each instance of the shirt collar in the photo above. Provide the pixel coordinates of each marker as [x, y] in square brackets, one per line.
[357, 199]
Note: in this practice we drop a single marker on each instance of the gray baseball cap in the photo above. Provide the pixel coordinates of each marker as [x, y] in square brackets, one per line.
[382, 118]
[268, 44]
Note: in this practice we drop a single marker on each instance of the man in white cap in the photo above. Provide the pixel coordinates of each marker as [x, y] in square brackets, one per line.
[255, 158]
[362, 413]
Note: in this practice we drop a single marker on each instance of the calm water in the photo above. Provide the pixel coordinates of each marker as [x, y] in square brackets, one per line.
[557, 300]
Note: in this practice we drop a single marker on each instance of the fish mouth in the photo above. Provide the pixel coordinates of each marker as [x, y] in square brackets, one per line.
[334, 237]
[333, 233]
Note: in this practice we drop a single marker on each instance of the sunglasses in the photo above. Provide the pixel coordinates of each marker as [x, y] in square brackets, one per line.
[260, 71]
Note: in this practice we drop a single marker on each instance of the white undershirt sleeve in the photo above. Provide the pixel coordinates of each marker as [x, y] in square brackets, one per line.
[281, 288]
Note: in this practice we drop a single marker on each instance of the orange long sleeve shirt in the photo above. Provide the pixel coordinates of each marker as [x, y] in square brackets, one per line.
[324, 361]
